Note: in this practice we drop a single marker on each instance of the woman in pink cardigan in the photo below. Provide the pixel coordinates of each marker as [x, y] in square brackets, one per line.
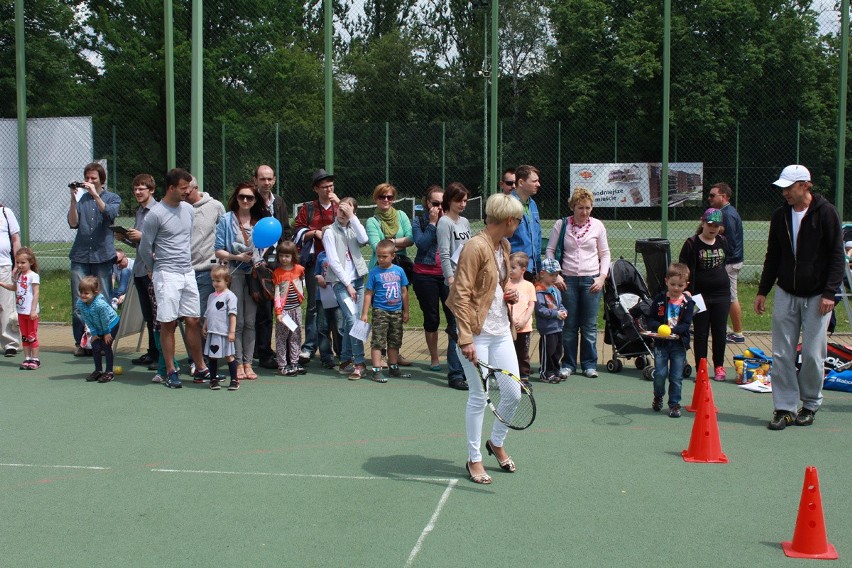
[583, 255]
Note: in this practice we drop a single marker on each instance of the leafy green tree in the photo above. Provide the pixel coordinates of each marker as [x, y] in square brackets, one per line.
[58, 71]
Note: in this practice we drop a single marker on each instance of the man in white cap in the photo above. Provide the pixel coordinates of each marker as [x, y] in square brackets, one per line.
[805, 258]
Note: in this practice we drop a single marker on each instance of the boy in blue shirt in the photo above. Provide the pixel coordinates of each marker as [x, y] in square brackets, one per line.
[387, 292]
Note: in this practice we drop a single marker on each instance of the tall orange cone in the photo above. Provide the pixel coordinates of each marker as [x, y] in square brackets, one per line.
[704, 444]
[809, 538]
[702, 383]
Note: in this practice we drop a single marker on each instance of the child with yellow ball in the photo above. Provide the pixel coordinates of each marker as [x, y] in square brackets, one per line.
[671, 315]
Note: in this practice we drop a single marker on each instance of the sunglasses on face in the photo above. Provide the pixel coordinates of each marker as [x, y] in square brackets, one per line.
[509, 182]
[435, 203]
[385, 198]
[245, 197]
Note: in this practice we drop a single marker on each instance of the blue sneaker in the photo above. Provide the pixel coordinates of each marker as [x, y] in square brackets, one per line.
[173, 381]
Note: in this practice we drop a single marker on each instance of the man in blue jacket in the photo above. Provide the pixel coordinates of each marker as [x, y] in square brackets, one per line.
[527, 237]
[720, 198]
[805, 258]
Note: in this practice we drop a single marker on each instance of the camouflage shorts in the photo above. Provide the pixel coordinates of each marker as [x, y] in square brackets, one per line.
[387, 329]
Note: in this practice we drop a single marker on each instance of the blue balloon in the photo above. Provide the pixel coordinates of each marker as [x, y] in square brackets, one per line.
[266, 232]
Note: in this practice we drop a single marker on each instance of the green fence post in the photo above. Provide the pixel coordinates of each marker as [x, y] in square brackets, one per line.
[559, 169]
[224, 165]
[798, 138]
[615, 142]
[737, 171]
[387, 152]
[277, 159]
[114, 178]
[169, 34]
[443, 154]
[23, 156]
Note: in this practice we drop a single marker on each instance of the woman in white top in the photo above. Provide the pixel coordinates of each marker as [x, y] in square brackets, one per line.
[453, 229]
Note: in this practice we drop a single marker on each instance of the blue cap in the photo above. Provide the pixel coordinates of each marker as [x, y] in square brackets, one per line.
[550, 265]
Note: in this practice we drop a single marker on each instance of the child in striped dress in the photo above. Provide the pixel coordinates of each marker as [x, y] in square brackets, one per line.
[289, 281]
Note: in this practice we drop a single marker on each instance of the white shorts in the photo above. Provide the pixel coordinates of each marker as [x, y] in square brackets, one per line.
[177, 296]
[733, 271]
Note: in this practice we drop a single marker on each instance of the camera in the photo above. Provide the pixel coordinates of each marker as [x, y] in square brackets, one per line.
[76, 185]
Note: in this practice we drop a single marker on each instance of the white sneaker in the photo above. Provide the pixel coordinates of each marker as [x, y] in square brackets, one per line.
[157, 378]
[565, 373]
[591, 373]
[304, 356]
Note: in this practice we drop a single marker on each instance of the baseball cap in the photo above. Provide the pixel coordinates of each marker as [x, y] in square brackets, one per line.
[550, 266]
[712, 215]
[792, 174]
[320, 175]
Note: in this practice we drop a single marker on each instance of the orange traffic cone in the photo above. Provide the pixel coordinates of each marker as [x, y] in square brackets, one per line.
[702, 383]
[704, 444]
[809, 538]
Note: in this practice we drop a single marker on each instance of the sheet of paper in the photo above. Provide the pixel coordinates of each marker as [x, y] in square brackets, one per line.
[699, 303]
[456, 253]
[350, 305]
[288, 321]
[327, 297]
[360, 330]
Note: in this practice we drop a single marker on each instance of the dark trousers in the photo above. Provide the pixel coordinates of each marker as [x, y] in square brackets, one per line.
[713, 323]
[101, 349]
[263, 326]
[522, 350]
[550, 354]
[141, 284]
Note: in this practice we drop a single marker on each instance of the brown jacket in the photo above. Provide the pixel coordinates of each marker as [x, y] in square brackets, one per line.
[473, 287]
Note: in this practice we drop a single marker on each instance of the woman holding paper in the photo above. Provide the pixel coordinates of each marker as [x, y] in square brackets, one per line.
[342, 242]
[704, 254]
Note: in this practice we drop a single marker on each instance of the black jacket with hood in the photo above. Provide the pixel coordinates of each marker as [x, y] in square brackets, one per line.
[817, 267]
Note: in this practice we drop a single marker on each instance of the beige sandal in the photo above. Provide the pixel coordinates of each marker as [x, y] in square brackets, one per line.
[249, 372]
[481, 478]
[241, 372]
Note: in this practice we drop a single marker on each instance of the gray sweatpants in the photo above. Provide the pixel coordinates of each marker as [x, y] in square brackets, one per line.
[790, 315]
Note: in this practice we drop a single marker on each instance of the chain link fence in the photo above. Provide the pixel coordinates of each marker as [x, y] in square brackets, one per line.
[410, 101]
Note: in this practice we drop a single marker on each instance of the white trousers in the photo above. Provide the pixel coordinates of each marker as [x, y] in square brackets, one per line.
[497, 351]
[10, 337]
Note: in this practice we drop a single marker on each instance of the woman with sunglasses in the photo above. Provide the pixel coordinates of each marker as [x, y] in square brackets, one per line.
[430, 288]
[234, 245]
[390, 223]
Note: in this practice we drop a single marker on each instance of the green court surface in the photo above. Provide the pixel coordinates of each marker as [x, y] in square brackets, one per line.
[320, 471]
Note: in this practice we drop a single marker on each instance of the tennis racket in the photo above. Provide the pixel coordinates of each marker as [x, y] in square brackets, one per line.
[510, 401]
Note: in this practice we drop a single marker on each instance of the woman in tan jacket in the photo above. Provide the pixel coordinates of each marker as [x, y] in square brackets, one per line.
[480, 305]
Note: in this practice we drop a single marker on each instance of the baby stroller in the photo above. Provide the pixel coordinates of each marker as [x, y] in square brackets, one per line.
[626, 304]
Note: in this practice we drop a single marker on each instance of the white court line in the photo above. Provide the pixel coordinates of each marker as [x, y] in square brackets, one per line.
[431, 524]
[304, 475]
[53, 466]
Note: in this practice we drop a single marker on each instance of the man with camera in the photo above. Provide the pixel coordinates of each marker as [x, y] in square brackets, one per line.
[92, 212]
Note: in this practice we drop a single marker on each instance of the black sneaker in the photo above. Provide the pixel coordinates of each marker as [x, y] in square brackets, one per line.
[674, 411]
[527, 384]
[233, 385]
[805, 417]
[214, 384]
[94, 376]
[11, 352]
[394, 371]
[657, 405]
[145, 359]
[458, 384]
[780, 420]
[106, 377]
[268, 362]
[199, 377]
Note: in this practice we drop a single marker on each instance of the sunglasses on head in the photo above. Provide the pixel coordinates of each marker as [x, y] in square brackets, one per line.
[385, 198]
[246, 197]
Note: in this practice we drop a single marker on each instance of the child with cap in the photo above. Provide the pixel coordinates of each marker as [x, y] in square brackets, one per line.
[704, 254]
[550, 316]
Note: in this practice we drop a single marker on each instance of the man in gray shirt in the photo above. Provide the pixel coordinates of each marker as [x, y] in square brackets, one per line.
[165, 250]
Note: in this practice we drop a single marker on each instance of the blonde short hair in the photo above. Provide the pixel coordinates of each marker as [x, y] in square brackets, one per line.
[500, 207]
[581, 194]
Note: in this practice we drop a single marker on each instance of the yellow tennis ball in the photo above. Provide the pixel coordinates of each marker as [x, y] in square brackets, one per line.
[748, 353]
[118, 369]
[664, 331]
